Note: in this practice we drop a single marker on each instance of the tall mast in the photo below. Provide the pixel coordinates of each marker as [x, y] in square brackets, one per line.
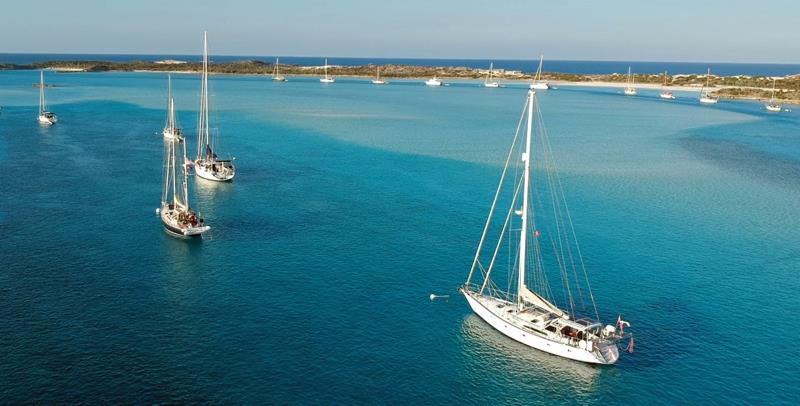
[184, 184]
[277, 61]
[772, 98]
[708, 78]
[170, 105]
[41, 92]
[326, 68]
[523, 236]
[203, 133]
[377, 73]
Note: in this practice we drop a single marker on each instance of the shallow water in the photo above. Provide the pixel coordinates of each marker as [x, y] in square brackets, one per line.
[352, 204]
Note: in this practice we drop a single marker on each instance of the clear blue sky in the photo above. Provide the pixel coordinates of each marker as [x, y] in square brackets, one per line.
[705, 31]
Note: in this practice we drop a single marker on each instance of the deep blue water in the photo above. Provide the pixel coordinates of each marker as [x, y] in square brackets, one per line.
[562, 66]
[352, 204]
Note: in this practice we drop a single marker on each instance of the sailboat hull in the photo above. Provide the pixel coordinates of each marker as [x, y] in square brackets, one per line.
[491, 85]
[708, 100]
[47, 119]
[606, 355]
[772, 108]
[172, 227]
[205, 169]
[540, 86]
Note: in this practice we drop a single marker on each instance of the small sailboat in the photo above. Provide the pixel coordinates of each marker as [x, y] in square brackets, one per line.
[176, 215]
[666, 94]
[528, 314]
[208, 165]
[276, 76]
[327, 78]
[45, 117]
[538, 83]
[378, 80]
[630, 90]
[489, 82]
[171, 129]
[705, 92]
[772, 105]
[433, 82]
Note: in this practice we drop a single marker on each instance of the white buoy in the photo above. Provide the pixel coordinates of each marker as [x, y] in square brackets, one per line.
[434, 297]
[158, 210]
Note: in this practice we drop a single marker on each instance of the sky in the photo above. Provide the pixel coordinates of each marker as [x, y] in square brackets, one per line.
[765, 31]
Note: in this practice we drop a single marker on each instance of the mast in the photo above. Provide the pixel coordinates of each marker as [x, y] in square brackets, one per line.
[203, 137]
[277, 62]
[772, 98]
[708, 80]
[523, 236]
[539, 70]
[184, 183]
[41, 92]
[326, 68]
[170, 106]
[377, 73]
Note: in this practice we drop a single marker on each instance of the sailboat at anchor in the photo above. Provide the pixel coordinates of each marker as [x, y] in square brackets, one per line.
[528, 313]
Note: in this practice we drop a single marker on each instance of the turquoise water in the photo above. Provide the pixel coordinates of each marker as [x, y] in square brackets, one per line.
[352, 204]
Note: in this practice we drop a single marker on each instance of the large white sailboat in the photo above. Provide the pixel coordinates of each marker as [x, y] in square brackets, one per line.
[208, 165]
[45, 117]
[665, 93]
[538, 83]
[772, 105]
[529, 314]
[378, 80]
[276, 75]
[630, 89]
[327, 78]
[171, 129]
[176, 215]
[705, 92]
[489, 82]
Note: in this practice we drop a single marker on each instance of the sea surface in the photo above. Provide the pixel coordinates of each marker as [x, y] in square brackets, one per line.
[561, 66]
[352, 204]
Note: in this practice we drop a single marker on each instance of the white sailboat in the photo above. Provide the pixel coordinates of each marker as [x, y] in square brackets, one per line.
[208, 165]
[666, 94]
[538, 83]
[327, 78]
[434, 81]
[630, 90]
[529, 315]
[705, 92]
[45, 117]
[276, 76]
[378, 80]
[176, 215]
[489, 82]
[171, 129]
[772, 105]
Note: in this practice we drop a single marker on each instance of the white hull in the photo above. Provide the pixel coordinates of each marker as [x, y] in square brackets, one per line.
[327, 80]
[539, 342]
[492, 85]
[773, 108]
[204, 170]
[433, 82]
[708, 100]
[171, 135]
[668, 96]
[540, 86]
[184, 229]
[630, 92]
[279, 78]
[379, 82]
[47, 120]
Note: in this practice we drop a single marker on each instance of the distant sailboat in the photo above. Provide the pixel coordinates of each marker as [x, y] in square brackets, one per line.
[630, 90]
[705, 92]
[529, 314]
[538, 83]
[327, 78]
[208, 165]
[666, 94]
[772, 105]
[433, 82]
[276, 76]
[45, 117]
[489, 82]
[176, 215]
[378, 80]
[171, 129]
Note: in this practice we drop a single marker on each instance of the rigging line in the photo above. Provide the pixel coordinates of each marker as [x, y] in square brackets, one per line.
[500, 241]
[496, 196]
[581, 262]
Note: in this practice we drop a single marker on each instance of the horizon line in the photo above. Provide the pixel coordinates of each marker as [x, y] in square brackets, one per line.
[402, 57]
